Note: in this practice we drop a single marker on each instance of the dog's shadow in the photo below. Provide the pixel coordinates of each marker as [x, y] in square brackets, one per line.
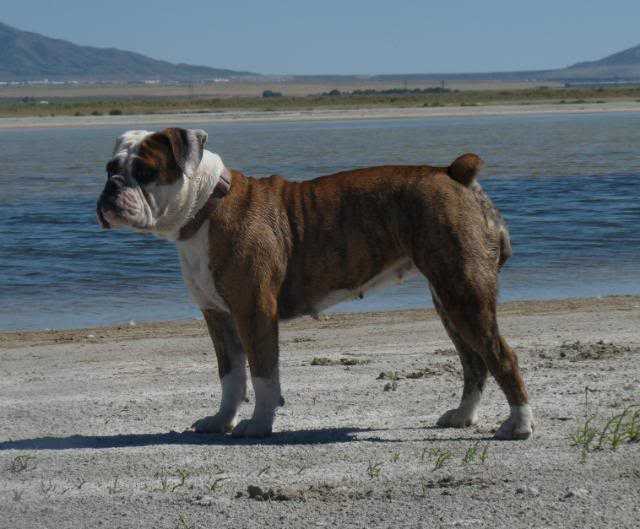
[288, 438]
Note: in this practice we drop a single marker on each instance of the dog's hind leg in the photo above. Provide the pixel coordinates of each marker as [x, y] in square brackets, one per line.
[475, 377]
[232, 370]
[467, 290]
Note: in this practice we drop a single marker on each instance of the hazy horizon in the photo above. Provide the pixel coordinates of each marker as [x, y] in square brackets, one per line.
[361, 38]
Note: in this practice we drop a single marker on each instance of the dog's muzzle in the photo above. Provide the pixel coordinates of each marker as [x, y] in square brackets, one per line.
[107, 208]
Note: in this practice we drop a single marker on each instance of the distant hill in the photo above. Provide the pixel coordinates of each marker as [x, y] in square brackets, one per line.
[623, 66]
[26, 56]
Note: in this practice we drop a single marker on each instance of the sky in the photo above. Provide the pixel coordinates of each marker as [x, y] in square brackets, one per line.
[343, 37]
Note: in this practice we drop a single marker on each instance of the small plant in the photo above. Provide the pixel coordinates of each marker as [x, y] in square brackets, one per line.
[183, 474]
[164, 482]
[484, 454]
[623, 427]
[633, 427]
[374, 470]
[184, 522]
[167, 485]
[470, 455]
[20, 463]
[620, 428]
[216, 485]
[113, 487]
[585, 434]
[395, 457]
[440, 457]
[47, 486]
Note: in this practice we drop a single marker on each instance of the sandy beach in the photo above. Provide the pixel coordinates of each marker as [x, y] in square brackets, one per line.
[92, 420]
[315, 115]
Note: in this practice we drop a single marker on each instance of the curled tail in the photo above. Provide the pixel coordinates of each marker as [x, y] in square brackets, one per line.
[465, 168]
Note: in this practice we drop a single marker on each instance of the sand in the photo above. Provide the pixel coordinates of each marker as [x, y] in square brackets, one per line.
[239, 116]
[91, 421]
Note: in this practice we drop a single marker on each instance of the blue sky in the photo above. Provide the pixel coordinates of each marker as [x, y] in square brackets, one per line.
[332, 36]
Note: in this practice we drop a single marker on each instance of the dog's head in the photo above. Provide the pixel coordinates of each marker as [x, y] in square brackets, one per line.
[156, 181]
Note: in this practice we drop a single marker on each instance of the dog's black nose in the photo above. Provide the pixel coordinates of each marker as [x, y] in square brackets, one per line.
[114, 184]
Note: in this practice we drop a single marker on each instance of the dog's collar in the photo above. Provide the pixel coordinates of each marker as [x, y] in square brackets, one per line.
[222, 188]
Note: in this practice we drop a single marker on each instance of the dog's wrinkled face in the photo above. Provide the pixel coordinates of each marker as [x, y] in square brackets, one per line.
[152, 179]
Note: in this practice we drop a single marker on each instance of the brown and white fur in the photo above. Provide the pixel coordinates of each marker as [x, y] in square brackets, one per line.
[268, 249]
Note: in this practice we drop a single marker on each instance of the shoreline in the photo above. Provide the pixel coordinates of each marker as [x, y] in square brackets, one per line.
[248, 116]
[197, 327]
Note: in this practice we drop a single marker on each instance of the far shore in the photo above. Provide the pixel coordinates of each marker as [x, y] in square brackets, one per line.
[239, 116]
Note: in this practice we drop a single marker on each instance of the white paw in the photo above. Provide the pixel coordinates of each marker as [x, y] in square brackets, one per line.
[217, 423]
[518, 426]
[253, 428]
[457, 418]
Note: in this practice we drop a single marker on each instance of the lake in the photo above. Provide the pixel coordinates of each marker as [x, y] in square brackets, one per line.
[566, 184]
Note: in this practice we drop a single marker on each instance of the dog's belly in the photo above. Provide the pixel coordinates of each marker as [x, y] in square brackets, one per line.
[395, 274]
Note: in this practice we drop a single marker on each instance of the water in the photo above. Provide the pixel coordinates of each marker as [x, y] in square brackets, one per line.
[567, 185]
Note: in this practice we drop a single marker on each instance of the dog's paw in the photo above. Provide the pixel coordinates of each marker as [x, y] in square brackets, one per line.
[457, 418]
[214, 424]
[518, 426]
[253, 428]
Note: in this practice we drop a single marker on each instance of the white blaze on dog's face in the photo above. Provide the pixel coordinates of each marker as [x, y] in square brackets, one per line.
[156, 181]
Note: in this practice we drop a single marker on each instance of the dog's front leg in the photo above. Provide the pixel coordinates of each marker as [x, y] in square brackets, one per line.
[257, 326]
[232, 371]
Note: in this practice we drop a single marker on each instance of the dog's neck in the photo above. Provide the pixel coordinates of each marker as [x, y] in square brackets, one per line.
[205, 181]
[199, 189]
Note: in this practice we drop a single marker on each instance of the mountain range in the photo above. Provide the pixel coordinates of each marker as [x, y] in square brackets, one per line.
[28, 56]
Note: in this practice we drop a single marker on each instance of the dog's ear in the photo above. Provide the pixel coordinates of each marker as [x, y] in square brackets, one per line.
[129, 137]
[119, 140]
[187, 146]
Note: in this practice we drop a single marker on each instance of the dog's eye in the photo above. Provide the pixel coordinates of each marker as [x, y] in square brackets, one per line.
[145, 175]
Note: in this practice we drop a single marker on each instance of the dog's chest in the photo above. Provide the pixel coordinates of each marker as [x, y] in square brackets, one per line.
[194, 261]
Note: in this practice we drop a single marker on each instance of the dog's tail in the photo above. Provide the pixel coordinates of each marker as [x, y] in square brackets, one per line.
[465, 168]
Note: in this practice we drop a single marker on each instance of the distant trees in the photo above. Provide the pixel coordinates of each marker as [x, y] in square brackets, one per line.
[388, 91]
[271, 93]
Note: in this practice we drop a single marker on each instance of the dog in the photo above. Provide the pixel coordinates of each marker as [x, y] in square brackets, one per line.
[257, 251]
